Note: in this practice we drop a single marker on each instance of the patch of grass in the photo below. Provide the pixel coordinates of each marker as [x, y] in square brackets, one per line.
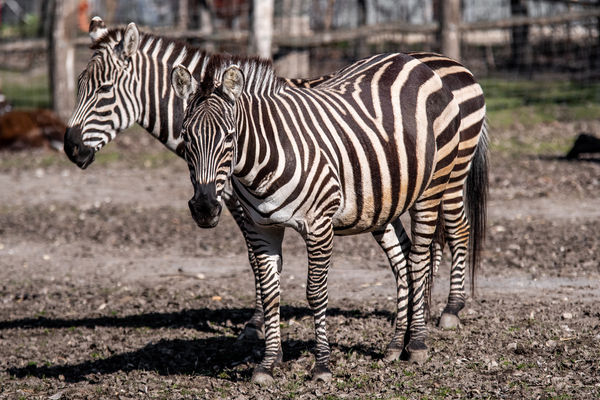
[447, 393]
[223, 375]
[527, 365]
[107, 156]
[26, 90]
[293, 387]
[223, 391]
[528, 102]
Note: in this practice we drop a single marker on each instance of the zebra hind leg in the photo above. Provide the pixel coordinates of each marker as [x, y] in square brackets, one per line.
[319, 244]
[424, 220]
[253, 329]
[396, 244]
[457, 234]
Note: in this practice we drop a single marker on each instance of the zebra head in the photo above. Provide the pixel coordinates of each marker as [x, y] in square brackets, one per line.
[105, 94]
[210, 137]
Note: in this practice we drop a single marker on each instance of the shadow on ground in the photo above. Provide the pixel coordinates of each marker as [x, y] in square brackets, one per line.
[196, 319]
[205, 356]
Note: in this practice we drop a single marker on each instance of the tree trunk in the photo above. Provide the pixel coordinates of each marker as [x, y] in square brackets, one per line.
[449, 37]
[262, 27]
[62, 56]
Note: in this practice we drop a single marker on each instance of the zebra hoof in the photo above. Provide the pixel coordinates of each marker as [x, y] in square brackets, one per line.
[251, 334]
[418, 356]
[417, 351]
[262, 376]
[449, 321]
[321, 373]
[392, 353]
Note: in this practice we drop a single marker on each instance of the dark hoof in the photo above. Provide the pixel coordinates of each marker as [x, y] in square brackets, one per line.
[262, 376]
[251, 334]
[392, 353]
[321, 373]
[449, 321]
[418, 356]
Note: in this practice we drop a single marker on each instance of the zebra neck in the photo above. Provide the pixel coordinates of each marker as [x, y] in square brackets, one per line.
[161, 111]
[257, 142]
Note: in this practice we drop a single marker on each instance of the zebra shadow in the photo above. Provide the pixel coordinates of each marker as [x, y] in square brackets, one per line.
[199, 319]
[208, 357]
[582, 159]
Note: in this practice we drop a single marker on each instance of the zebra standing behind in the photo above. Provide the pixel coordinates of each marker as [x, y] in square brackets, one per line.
[350, 156]
[126, 81]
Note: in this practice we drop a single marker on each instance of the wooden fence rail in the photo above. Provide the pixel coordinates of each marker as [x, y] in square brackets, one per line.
[317, 39]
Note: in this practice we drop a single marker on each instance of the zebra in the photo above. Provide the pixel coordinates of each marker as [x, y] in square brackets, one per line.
[122, 84]
[326, 161]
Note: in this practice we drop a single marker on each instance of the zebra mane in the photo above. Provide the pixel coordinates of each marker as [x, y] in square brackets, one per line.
[259, 74]
[115, 35]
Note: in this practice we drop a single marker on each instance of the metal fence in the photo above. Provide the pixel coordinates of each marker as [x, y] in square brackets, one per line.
[515, 38]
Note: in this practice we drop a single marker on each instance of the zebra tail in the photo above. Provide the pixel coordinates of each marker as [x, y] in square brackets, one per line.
[476, 196]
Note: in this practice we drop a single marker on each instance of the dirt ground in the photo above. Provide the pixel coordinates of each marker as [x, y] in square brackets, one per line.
[109, 290]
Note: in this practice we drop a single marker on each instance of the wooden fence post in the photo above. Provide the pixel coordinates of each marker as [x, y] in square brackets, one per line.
[294, 62]
[262, 27]
[61, 60]
[519, 40]
[183, 15]
[449, 37]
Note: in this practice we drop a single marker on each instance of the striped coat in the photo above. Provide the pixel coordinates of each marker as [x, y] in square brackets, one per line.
[349, 156]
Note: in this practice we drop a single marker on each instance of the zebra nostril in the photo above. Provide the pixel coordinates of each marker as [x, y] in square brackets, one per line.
[75, 150]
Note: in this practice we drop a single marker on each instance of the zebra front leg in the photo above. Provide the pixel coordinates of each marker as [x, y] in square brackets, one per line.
[457, 234]
[266, 243]
[424, 219]
[253, 329]
[396, 244]
[319, 246]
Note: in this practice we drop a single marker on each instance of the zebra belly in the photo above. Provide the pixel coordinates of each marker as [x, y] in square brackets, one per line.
[372, 205]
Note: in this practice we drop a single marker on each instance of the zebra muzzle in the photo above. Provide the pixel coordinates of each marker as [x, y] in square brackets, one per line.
[77, 152]
[205, 207]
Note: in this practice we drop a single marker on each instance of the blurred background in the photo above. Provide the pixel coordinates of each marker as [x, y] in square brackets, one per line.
[538, 61]
[108, 289]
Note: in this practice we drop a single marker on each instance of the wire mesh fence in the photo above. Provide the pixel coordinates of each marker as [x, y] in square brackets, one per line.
[527, 40]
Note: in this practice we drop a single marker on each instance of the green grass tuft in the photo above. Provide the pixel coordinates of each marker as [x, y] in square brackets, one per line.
[528, 103]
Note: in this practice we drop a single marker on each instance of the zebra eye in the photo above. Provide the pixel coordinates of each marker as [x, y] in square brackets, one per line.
[104, 88]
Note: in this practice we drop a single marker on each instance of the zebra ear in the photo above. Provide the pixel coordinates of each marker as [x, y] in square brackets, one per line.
[97, 29]
[183, 82]
[131, 40]
[233, 82]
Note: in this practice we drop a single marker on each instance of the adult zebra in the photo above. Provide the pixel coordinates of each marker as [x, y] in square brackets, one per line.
[125, 82]
[325, 160]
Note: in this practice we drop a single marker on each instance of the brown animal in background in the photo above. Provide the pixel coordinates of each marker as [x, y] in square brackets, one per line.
[35, 128]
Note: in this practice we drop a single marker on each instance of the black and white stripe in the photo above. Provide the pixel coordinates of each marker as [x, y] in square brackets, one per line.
[119, 88]
[349, 156]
